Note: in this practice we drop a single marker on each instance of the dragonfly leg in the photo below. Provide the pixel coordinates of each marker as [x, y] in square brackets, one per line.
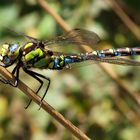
[41, 84]
[15, 70]
[36, 75]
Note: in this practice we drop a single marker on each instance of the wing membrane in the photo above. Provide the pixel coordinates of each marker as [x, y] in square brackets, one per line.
[75, 37]
[118, 61]
[24, 35]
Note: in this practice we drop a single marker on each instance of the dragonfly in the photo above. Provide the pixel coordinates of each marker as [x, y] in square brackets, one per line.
[39, 54]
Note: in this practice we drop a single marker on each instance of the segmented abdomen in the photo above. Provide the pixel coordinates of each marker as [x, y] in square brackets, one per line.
[61, 61]
[117, 52]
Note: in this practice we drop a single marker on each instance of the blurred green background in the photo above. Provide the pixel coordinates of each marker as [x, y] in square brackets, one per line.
[85, 95]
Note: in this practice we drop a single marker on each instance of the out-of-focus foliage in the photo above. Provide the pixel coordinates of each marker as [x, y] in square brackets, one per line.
[84, 95]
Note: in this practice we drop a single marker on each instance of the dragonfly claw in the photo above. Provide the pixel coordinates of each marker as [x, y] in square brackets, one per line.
[40, 105]
[5, 81]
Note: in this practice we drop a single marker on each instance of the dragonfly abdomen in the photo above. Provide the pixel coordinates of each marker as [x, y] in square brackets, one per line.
[117, 52]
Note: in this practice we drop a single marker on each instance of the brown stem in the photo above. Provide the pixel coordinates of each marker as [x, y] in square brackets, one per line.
[66, 123]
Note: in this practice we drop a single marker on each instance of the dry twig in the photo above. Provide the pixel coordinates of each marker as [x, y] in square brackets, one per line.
[66, 123]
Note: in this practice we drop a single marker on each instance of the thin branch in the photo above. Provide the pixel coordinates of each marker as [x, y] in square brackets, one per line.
[125, 19]
[66, 123]
[60, 21]
[106, 68]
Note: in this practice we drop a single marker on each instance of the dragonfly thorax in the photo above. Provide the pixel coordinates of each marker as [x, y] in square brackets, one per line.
[9, 54]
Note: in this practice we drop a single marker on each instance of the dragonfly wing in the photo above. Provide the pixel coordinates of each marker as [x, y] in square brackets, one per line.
[118, 61]
[24, 35]
[76, 37]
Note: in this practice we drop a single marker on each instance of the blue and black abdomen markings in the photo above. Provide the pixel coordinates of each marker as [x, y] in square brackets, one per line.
[135, 51]
[117, 52]
[62, 61]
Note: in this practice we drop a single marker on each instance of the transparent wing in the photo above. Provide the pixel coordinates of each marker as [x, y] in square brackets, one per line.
[72, 38]
[117, 61]
[75, 37]
[24, 35]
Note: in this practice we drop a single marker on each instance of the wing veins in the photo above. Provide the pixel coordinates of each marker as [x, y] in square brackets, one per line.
[76, 37]
[118, 61]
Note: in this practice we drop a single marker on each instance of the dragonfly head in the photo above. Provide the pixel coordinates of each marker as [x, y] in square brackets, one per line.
[9, 54]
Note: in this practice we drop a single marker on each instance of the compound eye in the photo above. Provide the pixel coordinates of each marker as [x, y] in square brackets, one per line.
[13, 47]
